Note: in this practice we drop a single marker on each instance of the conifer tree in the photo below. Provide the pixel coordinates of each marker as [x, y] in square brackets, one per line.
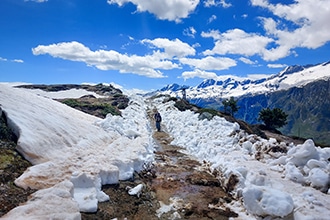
[232, 104]
[273, 118]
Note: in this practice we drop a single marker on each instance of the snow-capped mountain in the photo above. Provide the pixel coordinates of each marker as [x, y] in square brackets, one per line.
[303, 92]
[227, 86]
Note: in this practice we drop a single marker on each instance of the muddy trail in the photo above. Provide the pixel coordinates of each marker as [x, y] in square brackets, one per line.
[175, 186]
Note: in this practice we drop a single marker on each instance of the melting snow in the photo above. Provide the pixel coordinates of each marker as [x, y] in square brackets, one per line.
[74, 154]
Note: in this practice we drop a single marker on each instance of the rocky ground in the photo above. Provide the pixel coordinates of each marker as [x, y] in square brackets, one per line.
[174, 178]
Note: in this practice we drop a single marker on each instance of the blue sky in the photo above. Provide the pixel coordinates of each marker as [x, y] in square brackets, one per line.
[149, 44]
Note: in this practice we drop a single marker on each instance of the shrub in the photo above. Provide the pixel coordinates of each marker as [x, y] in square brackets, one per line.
[273, 118]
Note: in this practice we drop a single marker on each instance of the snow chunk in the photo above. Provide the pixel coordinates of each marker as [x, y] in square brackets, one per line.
[136, 190]
[87, 192]
[301, 154]
[265, 201]
[319, 179]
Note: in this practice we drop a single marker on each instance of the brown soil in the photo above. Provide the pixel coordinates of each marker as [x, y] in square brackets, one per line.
[174, 176]
[283, 138]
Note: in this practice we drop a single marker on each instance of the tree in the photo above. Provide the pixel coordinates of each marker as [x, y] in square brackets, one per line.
[225, 103]
[232, 104]
[273, 118]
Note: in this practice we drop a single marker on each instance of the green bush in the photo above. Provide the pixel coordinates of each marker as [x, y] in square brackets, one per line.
[273, 118]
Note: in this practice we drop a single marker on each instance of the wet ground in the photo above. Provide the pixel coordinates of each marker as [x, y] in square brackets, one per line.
[176, 186]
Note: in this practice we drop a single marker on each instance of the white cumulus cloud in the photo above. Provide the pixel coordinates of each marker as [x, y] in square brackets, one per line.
[247, 61]
[149, 65]
[172, 48]
[191, 31]
[311, 25]
[172, 10]
[209, 63]
[198, 73]
[237, 41]
[222, 3]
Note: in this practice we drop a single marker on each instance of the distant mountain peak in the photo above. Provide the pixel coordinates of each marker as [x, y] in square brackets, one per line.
[291, 69]
[174, 87]
[226, 86]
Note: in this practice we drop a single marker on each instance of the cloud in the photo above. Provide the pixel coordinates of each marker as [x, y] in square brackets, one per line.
[198, 73]
[172, 48]
[172, 10]
[190, 32]
[277, 66]
[38, 1]
[215, 34]
[303, 24]
[18, 61]
[149, 65]
[14, 60]
[222, 3]
[245, 15]
[237, 41]
[247, 61]
[212, 18]
[209, 63]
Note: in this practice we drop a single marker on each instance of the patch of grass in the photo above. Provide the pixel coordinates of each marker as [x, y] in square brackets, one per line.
[108, 109]
[213, 112]
[6, 158]
[97, 108]
[73, 103]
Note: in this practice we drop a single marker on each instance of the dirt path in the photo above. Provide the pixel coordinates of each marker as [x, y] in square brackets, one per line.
[182, 180]
[176, 186]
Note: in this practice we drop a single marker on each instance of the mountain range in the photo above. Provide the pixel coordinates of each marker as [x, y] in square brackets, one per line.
[303, 92]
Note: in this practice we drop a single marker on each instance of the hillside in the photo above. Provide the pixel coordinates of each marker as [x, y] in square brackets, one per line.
[303, 92]
[120, 167]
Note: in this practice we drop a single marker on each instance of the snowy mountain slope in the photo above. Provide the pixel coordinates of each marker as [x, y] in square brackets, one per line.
[271, 183]
[227, 86]
[68, 145]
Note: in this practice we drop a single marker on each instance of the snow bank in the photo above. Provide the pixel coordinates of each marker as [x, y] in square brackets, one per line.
[271, 182]
[52, 203]
[68, 145]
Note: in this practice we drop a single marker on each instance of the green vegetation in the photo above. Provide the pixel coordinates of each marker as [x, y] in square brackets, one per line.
[213, 112]
[6, 158]
[73, 103]
[100, 109]
[273, 118]
[232, 104]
